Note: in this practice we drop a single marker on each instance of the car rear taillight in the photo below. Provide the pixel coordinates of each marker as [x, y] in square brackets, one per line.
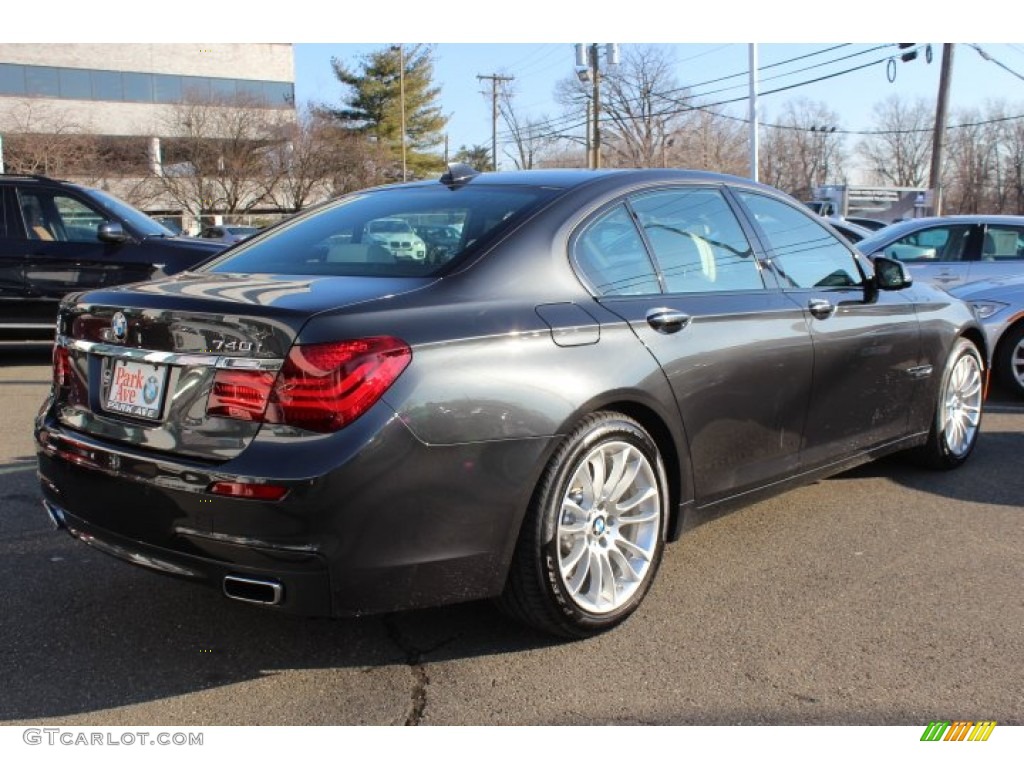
[61, 366]
[321, 387]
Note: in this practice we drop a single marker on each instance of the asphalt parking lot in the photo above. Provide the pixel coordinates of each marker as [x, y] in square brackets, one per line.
[887, 595]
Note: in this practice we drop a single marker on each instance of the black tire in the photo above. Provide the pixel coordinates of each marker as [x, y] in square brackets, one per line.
[1009, 362]
[957, 419]
[582, 565]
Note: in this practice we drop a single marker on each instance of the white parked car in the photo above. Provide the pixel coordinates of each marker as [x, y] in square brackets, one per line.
[398, 237]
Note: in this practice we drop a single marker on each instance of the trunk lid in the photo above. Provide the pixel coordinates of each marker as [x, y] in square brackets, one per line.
[137, 363]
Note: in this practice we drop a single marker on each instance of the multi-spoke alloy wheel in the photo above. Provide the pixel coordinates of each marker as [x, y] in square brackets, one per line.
[609, 527]
[961, 410]
[592, 542]
[958, 411]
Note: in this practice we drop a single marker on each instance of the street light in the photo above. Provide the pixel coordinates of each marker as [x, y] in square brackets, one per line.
[588, 68]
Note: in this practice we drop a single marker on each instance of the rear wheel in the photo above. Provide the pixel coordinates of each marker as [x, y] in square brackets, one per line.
[593, 537]
[957, 417]
[1009, 363]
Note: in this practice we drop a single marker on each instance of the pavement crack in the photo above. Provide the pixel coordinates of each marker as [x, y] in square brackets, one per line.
[414, 660]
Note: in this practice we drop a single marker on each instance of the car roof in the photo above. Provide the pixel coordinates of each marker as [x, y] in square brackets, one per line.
[573, 177]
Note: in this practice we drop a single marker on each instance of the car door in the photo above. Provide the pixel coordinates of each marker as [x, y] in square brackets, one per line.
[12, 282]
[1001, 252]
[62, 251]
[867, 353]
[677, 265]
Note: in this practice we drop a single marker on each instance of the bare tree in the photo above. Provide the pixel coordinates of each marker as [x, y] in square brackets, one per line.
[39, 138]
[900, 151]
[220, 156]
[1012, 141]
[529, 137]
[641, 105]
[315, 160]
[709, 141]
[796, 154]
[970, 175]
[642, 102]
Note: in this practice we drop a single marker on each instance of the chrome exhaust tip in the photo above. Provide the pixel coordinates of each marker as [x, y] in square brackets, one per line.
[56, 515]
[248, 590]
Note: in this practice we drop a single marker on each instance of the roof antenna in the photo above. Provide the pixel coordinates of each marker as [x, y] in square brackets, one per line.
[458, 174]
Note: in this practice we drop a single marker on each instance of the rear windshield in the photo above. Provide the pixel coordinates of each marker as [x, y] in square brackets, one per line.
[399, 232]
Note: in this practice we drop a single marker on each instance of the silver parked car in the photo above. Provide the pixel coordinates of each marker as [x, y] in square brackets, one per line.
[999, 304]
[953, 250]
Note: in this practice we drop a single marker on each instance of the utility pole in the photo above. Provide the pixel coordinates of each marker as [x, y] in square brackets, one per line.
[939, 137]
[495, 79]
[588, 68]
[588, 127]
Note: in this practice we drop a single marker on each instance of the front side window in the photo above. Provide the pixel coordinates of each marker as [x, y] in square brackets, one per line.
[612, 257]
[52, 216]
[804, 253]
[945, 243]
[697, 241]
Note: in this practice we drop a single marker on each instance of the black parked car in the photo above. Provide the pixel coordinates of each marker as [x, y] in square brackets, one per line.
[57, 237]
[311, 423]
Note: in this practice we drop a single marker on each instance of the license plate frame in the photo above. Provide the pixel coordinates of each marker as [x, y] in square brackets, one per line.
[136, 388]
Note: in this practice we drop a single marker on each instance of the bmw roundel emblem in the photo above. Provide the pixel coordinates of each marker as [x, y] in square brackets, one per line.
[119, 325]
[150, 390]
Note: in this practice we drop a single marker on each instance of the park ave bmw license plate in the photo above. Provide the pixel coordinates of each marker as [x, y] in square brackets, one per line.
[136, 389]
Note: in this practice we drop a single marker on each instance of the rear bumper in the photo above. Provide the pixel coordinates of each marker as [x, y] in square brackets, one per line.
[374, 521]
[301, 586]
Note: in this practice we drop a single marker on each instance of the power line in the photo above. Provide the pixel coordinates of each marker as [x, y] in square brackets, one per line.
[555, 128]
[560, 124]
[988, 57]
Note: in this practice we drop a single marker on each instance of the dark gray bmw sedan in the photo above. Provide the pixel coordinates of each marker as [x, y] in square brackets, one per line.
[314, 423]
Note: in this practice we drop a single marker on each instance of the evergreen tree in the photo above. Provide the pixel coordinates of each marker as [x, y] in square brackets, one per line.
[477, 156]
[373, 103]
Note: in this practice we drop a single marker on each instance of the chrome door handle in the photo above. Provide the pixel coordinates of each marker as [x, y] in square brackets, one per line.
[821, 308]
[667, 320]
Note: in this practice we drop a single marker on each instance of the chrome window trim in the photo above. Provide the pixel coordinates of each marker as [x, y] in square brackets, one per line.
[191, 359]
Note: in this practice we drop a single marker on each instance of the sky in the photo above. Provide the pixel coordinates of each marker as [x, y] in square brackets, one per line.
[531, 40]
[538, 66]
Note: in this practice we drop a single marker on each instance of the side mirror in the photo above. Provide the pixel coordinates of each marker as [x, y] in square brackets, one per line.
[891, 275]
[111, 232]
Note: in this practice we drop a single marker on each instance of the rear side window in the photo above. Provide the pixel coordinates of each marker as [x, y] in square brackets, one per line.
[1002, 242]
[804, 253]
[612, 258]
[391, 233]
[697, 241]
